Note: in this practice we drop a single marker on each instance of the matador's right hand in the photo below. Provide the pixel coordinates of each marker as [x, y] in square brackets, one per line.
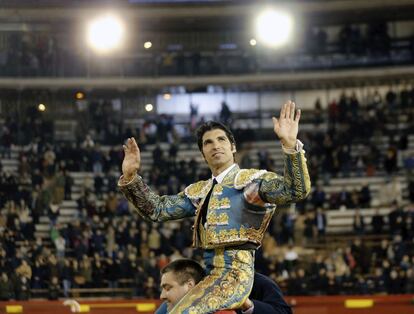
[132, 159]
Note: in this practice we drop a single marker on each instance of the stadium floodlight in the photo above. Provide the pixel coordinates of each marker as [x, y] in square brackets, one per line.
[105, 33]
[79, 95]
[149, 107]
[274, 27]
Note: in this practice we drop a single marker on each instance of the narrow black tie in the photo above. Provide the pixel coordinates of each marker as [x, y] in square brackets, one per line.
[205, 204]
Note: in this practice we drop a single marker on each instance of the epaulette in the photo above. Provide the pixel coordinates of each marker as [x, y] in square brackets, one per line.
[198, 190]
[246, 176]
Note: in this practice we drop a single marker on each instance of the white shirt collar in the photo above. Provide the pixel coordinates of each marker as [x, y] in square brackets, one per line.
[222, 175]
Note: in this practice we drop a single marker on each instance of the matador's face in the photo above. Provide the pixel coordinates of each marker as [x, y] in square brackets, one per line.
[217, 150]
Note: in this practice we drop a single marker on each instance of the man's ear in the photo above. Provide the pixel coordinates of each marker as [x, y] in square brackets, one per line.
[233, 148]
[191, 284]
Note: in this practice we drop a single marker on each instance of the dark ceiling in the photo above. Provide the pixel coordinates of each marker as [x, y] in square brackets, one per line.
[216, 15]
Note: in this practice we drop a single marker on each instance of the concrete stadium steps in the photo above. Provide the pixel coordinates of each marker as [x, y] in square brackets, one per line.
[341, 221]
[65, 130]
[10, 165]
[375, 184]
[67, 214]
[44, 235]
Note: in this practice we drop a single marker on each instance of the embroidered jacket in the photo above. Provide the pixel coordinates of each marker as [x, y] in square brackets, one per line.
[239, 208]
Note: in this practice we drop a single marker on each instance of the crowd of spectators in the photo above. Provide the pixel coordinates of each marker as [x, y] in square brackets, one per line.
[103, 247]
[354, 138]
[45, 54]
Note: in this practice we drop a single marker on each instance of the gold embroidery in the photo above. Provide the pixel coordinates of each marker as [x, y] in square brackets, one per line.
[225, 203]
[246, 176]
[214, 237]
[198, 189]
[216, 203]
[217, 219]
[218, 190]
[229, 178]
[227, 286]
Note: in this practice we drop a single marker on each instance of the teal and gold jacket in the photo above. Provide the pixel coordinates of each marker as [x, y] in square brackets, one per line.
[239, 209]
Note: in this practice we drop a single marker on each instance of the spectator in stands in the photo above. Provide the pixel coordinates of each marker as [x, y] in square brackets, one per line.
[58, 187]
[151, 288]
[361, 286]
[320, 222]
[66, 275]
[390, 161]
[365, 196]
[85, 270]
[60, 245]
[69, 182]
[22, 288]
[394, 282]
[318, 196]
[6, 141]
[225, 114]
[321, 282]
[291, 258]
[53, 213]
[54, 289]
[309, 227]
[409, 287]
[358, 224]
[288, 227]
[396, 218]
[99, 185]
[348, 282]
[379, 280]
[98, 272]
[24, 270]
[6, 287]
[377, 222]
[300, 284]
[88, 142]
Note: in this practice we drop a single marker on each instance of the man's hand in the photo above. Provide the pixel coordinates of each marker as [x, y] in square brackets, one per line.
[287, 126]
[132, 159]
[246, 305]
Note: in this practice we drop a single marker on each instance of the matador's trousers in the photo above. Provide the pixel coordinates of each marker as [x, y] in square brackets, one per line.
[227, 285]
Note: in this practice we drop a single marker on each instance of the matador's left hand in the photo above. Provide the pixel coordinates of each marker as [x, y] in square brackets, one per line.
[287, 126]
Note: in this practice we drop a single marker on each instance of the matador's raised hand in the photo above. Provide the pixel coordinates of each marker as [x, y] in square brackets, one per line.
[132, 159]
[287, 126]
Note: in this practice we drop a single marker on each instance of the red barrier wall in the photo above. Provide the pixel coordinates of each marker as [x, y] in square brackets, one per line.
[398, 304]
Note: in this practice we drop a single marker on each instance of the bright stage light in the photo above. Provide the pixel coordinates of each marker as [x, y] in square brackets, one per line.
[274, 28]
[149, 107]
[105, 33]
[147, 45]
[253, 42]
[41, 107]
[79, 95]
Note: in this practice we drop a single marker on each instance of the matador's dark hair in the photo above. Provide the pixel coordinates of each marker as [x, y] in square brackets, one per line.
[209, 126]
